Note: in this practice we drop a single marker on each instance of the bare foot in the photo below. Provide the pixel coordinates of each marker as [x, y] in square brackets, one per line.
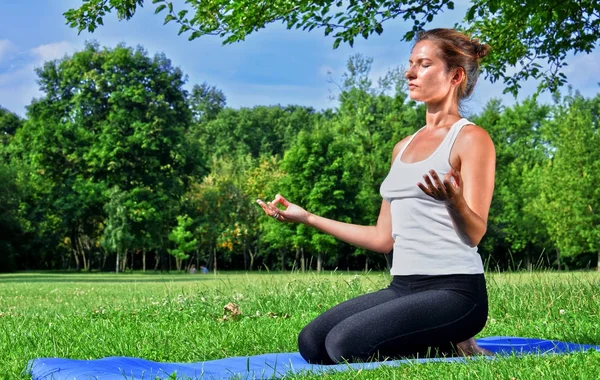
[469, 347]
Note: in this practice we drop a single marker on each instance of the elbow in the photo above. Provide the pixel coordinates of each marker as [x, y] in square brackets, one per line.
[385, 246]
[473, 241]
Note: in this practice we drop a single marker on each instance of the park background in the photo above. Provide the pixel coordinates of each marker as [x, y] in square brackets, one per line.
[141, 150]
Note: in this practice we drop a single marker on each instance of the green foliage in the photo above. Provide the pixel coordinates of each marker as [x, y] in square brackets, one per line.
[261, 130]
[109, 118]
[517, 30]
[206, 102]
[183, 238]
[10, 226]
[112, 160]
[9, 124]
[117, 236]
[570, 198]
[534, 36]
[520, 147]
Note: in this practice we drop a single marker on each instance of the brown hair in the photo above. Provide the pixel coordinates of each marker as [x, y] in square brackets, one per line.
[457, 50]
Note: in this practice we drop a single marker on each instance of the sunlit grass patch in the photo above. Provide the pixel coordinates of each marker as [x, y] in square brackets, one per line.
[183, 318]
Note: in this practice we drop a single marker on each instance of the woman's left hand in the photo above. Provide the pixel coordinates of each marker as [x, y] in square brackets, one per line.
[449, 190]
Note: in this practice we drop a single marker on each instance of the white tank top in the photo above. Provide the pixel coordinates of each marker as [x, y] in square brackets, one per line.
[425, 241]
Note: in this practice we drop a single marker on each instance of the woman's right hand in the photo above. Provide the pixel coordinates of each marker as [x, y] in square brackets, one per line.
[290, 213]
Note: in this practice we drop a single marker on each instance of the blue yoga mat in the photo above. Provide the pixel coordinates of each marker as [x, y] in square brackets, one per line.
[266, 366]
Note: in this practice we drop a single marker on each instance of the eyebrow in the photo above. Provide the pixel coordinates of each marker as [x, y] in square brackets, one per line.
[421, 60]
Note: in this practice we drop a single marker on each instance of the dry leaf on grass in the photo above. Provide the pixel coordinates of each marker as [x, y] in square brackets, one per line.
[232, 309]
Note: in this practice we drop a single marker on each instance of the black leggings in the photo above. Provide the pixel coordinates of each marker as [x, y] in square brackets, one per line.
[410, 317]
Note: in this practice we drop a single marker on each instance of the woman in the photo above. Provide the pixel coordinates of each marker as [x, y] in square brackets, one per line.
[434, 212]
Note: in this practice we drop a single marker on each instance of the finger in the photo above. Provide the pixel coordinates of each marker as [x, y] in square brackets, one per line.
[457, 177]
[432, 188]
[268, 208]
[438, 183]
[273, 207]
[425, 189]
[281, 200]
[449, 188]
[263, 205]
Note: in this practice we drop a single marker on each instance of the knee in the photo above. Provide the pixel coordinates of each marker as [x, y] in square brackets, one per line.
[340, 346]
[311, 346]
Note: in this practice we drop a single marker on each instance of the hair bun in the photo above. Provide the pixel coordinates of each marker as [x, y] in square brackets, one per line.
[481, 50]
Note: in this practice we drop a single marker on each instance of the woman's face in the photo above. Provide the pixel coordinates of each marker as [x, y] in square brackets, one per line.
[428, 79]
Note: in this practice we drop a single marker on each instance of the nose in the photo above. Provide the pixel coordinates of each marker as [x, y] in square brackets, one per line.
[410, 72]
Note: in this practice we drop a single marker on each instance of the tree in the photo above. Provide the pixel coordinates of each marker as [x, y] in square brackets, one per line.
[520, 147]
[9, 124]
[206, 102]
[117, 236]
[526, 34]
[570, 197]
[251, 131]
[10, 226]
[109, 118]
[184, 240]
[375, 117]
[322, 175]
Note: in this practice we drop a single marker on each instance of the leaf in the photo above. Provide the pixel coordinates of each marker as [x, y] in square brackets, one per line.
[159, 8]
[169, 18]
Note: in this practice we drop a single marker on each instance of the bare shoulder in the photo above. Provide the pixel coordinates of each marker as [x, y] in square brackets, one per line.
[399, 145]
[474, 138]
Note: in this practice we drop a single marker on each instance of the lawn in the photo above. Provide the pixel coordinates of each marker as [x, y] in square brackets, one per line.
[181, 318]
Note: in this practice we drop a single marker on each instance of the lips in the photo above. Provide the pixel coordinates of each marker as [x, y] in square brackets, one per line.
[412, 86]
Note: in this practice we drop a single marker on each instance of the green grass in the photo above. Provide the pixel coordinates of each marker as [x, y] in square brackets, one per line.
[179, 318]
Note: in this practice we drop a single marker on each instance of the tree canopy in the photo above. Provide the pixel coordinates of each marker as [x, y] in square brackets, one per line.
[117, 166]
[534, 36]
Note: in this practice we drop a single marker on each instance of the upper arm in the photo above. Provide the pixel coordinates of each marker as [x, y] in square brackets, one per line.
[477, 157]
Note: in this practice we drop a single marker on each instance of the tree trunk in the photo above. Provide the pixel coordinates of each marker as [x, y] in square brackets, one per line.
[558, 258]
[302, 260]
[144, 260]
[76, 256]
[157, 260]
[366, 265]
[296, 258]
[124, 261]
[81, 249]
[319, 263]
[215, 260]
[118, 263]
[252, 256]
[598, 262]
[282, 252]
[528, 264]
[104, 257]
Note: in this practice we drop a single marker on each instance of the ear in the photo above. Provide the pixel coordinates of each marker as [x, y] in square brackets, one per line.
[458, 76]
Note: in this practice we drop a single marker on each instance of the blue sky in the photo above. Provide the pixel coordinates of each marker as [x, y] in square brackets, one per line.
[273, 66]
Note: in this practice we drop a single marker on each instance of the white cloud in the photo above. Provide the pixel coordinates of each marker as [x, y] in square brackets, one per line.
[17, 89]
[250, 95]
[582, 72]
[52, 51]
[5, 48]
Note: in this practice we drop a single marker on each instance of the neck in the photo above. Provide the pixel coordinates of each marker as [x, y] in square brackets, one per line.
[441, 114]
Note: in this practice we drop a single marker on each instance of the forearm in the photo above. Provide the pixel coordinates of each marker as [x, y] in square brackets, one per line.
[469, 226]
[371, 238]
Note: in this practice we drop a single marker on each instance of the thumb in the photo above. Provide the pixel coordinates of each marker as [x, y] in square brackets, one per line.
[281, 200]
[456, 177]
